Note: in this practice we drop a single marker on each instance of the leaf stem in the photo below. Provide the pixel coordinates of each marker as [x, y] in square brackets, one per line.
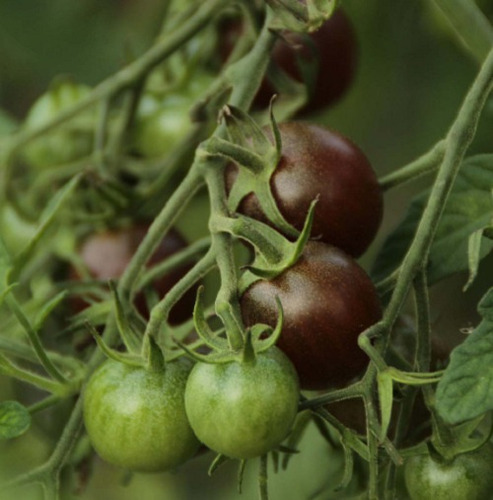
[425, 164]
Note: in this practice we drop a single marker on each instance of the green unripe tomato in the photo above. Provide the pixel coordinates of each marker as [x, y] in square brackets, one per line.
[243, 410]
[69, 142]
[136, 419]
[467, 477]
[160, 125]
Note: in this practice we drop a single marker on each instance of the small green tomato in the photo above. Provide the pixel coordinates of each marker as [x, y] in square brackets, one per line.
[243, 410]
[135, 417]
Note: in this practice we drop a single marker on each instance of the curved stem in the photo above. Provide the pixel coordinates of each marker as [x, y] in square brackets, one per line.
[425, 164]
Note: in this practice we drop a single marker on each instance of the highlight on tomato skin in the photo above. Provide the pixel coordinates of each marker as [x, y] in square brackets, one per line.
[106, 255]
[327, 300]
[319, 163]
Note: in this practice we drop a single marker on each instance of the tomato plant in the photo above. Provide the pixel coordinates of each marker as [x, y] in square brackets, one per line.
[304, 356]
[243, 409]
[136, 417]
[468, 475]
[106, 254]
[328, 300]
[318, 163]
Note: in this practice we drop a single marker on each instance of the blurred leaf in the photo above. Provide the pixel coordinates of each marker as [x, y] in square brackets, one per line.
[14, 419]
[466, 388]
[7, 123]
[468, 209]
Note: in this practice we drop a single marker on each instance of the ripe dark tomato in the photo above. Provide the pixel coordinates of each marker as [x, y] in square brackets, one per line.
[243, 410]
[107, 254]
[317, 162]
[328, 300]
[136, 419]
[332, 47]
[467, 476]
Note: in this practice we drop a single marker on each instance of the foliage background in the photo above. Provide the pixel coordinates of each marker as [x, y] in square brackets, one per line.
[411, 79]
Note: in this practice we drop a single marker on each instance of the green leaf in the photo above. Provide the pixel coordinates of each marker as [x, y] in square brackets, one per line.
[466, 388]
[15, 419]
[468, 209]
[5, 268]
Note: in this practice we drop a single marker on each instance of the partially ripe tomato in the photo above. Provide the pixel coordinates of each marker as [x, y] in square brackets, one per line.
[135, 417]
[332, 49]
[328, 300]
[107, 254]
[467, 476]
[243, 409]
[319, 163]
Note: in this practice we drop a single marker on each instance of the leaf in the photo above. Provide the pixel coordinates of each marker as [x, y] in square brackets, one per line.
[468, 209]
[15, 419]
[466, 388]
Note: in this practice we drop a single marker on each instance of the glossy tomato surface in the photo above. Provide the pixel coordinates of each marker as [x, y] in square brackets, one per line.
[243, 410]
[136, 419]
[328, 300]
[107, 254]
[319, 163]
[468, 476]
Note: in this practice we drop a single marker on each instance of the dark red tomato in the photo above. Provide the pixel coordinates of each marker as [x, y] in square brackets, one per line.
[317, 162]
[332, 48]
[107, 254]
[328, 300]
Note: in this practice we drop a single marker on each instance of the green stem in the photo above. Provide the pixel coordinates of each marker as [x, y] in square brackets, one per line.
[227, 303]
[423, 341]
[160, 226]
[160, 312]
[262, 479]
[425, 164]
[457, 141]
[176, 260]
[470, 25]
[127, 76]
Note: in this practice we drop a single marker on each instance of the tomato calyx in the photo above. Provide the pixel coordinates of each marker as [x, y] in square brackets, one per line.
[256, 156]
[304, 15]
[257, 339]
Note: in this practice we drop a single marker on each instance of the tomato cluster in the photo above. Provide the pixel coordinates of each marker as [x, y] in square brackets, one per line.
[328, 299]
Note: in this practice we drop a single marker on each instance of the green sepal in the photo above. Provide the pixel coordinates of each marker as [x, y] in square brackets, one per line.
[294, 15]
[301, 423]
[209, 338]
[240, 475]
[251, 149]
[153, 354]
[126, 358]
[271, 340]
[15, 419]
[127, 334]
[219, 459]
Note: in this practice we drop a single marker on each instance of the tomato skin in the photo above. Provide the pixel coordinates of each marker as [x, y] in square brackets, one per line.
[318, 162]
[107, 254]
[136, 419]
[243, 410]
[328, 300]
[467, 476]
[72, 141]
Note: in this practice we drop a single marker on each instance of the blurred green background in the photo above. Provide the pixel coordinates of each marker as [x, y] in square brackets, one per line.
[411, 78]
